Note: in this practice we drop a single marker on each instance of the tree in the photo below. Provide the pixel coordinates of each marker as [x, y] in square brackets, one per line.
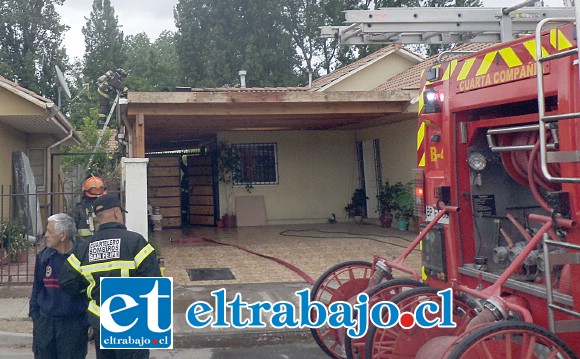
[301, 19]
[84, 103]
[154, 65]
[80, 154]
[166, 76]
[104, 48]
[215, 40]
[31, 44]
[435, 49]
[138, 60]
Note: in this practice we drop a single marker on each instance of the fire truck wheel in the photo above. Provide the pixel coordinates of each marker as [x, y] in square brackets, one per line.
[339, 283]
[510, 339]
[355, 348]
[398, 342]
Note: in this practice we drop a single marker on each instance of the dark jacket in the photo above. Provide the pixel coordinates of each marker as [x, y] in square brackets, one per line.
[84, 218]
[48, 299]
[125, 253]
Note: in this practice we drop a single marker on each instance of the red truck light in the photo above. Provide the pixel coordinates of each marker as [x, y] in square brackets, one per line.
[418, 189]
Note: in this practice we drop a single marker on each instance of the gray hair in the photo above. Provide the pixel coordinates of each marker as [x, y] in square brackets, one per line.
[63, 223]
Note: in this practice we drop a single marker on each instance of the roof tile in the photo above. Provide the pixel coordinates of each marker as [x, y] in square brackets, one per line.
[410, 79]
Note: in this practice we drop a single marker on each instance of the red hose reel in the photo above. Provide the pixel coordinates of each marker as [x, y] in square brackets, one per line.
[518, 164]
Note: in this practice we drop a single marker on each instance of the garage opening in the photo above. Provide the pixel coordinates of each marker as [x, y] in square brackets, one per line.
[182, 189]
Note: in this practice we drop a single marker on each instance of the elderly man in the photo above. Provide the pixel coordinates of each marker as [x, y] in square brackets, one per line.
[60, 319]
[130, 256]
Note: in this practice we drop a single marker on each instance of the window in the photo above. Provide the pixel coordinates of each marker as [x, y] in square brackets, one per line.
[37, 158]
[258, 163]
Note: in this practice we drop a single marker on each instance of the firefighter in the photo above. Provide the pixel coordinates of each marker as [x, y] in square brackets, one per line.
[83, 269]
[59, 319]
[108, 85]
[83, 215]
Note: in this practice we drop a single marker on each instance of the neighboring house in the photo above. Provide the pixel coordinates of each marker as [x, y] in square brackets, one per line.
[35, 126]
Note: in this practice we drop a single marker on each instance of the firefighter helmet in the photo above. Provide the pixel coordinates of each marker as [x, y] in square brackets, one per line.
[94, 187]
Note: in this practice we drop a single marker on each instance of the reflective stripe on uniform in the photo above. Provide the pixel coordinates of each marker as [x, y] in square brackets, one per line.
[84, 232]
[124, 266]
[75, 263]
[102, 93]
[108, 266]
[143, 253]
[88, 270]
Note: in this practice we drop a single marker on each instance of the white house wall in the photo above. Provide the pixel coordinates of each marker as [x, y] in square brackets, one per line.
[316, 172]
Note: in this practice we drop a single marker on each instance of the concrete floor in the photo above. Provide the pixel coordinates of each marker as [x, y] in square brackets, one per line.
[312, 248]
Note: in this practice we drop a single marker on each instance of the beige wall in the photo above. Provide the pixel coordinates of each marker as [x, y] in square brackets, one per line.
[11, 140]
[316, 171]
[45, 141]
[15, 105]
[398, 148]
[373, 75]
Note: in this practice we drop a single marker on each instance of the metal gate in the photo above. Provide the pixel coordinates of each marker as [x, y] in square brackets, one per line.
[21, 215]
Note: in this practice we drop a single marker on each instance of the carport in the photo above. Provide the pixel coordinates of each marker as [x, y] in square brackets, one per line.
[190, 118]
[163, 121]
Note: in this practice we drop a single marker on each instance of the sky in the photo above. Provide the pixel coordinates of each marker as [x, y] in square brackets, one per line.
[149, 16]
[155, 16]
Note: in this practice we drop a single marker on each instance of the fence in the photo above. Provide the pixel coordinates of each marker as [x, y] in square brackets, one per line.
[22, 223]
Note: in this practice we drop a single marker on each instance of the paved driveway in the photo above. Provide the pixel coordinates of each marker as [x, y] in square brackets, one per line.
[311, 248]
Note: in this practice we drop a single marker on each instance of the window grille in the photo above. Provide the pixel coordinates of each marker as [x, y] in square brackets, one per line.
[258, 163]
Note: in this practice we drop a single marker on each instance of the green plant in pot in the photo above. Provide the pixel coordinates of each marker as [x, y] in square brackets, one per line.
[405, 204]
[14, 241]
[355, 209]
[387, 204]
[229, 173]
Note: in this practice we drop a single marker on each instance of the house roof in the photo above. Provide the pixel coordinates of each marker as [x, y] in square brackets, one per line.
[240, 89]
[410, 79]
[46, 118]
[339, 74]
[172, 120]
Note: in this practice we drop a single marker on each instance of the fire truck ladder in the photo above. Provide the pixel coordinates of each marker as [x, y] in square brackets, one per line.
[556, 258]
[559, 258]
[554, 156]
[440, 25]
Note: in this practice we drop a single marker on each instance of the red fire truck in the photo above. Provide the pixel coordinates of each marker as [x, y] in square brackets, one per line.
[498, 193]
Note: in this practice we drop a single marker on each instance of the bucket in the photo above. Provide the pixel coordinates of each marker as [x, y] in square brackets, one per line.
[156, 220]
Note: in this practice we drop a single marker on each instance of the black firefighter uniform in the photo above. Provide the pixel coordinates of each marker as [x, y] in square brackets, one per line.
[113, 252]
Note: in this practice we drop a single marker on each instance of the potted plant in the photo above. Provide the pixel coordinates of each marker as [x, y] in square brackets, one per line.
[387, 203]
[358, 202]
[14, 242]
[229, 173]
[405, 204]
